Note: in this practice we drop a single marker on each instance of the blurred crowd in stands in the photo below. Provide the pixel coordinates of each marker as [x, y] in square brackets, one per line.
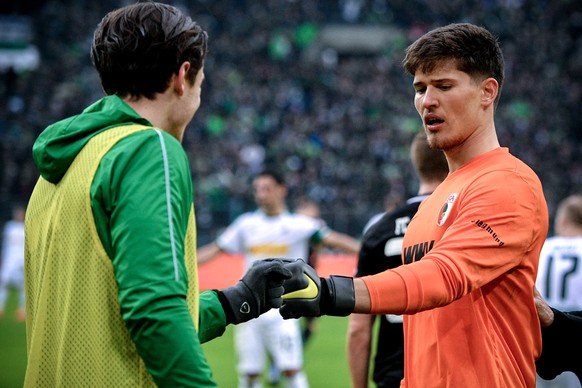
[338, 124]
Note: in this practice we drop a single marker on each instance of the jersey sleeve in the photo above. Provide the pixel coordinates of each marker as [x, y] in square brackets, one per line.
[142, 196]
[212, 317]
[564, 333]
[496, 227]
[315, 229]
[231, 239]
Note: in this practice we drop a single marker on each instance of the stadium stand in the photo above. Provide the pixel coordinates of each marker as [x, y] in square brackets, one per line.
[282, 90]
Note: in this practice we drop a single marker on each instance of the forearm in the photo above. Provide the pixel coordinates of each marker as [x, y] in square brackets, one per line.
[342, 242]
[363, 302]
[358, 348]
[207, 252]
[406, 289]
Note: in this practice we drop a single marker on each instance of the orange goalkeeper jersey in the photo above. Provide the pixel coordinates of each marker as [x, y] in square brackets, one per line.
[472, 252]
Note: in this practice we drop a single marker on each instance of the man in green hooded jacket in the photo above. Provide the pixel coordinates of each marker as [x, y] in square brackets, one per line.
[110, 268]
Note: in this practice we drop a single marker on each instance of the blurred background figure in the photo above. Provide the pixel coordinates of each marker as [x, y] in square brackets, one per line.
[559, 278]
[12, 263]
[272, 230]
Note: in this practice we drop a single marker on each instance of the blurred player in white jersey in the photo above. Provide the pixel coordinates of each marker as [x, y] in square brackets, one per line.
[559, 279]
[12, 264]
[272, 231]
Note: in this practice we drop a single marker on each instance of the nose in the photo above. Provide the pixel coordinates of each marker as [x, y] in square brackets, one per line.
[429, 98]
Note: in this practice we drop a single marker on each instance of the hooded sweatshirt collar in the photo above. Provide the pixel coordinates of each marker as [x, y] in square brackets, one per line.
[58, 145]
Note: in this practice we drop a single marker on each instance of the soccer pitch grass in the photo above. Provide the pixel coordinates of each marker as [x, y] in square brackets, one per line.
[12, 346]
[325, 355]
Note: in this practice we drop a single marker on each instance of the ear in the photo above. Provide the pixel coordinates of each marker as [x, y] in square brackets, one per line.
[489, 91]
[179, 79]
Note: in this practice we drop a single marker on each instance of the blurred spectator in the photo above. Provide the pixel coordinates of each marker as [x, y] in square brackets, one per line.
[334, 122]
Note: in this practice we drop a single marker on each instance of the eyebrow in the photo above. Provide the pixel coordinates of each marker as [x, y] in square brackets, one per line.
[434, 81]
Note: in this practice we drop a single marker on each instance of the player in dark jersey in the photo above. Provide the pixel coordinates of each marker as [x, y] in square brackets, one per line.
[381, 250]
[561, 337]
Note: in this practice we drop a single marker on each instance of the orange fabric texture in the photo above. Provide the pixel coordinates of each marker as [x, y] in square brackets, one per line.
[472, 252]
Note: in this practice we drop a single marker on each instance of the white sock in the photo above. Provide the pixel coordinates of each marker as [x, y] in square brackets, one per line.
[245, 382]
[298, 380]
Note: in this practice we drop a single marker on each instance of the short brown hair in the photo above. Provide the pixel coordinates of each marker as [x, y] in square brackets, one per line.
[430, 164]
[136, 49]
[474, 49]
[571, 209]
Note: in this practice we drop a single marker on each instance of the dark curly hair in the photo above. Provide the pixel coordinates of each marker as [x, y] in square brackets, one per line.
[136, 49]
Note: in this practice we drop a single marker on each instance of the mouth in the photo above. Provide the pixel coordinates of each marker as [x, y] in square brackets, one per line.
[432, 122]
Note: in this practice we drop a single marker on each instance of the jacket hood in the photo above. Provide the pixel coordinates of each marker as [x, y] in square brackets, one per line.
[58, 145]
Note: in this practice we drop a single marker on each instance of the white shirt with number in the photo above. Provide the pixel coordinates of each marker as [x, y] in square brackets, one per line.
[559, 277]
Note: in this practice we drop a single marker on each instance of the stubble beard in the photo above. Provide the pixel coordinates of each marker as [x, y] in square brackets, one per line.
[440, 142]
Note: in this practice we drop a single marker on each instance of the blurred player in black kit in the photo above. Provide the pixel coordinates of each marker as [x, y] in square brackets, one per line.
[382, 250]
[561, 338]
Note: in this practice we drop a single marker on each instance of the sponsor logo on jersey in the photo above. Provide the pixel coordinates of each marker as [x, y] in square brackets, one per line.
[488, 229]
[269, 249]
[446, 209]
[416, 251]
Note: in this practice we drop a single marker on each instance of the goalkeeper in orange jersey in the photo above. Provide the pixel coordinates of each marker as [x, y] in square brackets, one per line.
[471, 252]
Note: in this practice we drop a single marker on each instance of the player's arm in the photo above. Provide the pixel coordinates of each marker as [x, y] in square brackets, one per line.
[228, 241]
[207, 252]
[358, 348]
[146, 246]
[143, 224]
[559, 329]
[341, 241]
[545, 312]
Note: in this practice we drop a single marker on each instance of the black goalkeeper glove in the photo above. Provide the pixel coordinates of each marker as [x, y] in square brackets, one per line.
[258, 291]
[308, 295]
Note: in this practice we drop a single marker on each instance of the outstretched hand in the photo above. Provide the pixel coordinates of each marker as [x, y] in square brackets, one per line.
[308, 295]
[259, 290]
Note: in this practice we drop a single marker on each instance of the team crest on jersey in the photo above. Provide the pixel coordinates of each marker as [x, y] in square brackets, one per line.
[446, 209]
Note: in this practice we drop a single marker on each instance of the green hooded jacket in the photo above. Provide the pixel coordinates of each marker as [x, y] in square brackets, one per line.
[129, 198]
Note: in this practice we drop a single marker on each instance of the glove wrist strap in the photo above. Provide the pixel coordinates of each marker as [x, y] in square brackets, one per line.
[339, 294]
[237, 303]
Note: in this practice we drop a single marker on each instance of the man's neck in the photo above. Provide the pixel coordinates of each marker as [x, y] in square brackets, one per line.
[274, 211]
[428, 187]
[570, 231]
[156, 112]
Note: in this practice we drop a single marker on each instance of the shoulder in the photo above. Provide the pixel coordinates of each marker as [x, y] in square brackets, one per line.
[385, 225]
[372, 221]
[507, 180]
[154, 138]
[253, 217]
[500, 166]
[150, 145]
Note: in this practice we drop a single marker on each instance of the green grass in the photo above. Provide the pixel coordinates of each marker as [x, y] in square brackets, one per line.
[325, 355]
[12, 346]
